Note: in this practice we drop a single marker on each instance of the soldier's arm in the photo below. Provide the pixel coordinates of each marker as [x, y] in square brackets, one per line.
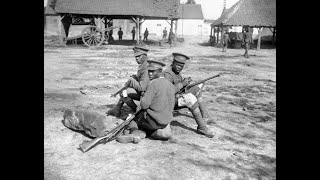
[169, 77]
[143, 79]
[132, 83]
[148, 96]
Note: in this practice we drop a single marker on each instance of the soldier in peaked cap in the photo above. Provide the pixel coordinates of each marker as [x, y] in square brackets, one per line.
[225, 40]
[157, 105]
[247, 39]
[136, 84]
[190, 98]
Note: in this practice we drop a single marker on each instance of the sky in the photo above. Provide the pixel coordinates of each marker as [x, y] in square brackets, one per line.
[211, 9]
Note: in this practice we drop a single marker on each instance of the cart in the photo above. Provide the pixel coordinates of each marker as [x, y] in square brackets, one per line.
[94, 36]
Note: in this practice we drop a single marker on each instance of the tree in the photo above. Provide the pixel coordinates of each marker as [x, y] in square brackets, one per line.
[191, 2]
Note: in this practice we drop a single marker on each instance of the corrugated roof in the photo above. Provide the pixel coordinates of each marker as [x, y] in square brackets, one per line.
[147, 8]
[190, 11]
[249, 13]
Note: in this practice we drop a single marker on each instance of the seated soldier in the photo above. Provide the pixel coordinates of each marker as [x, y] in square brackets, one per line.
[156, 109]
[192, 97]
[137, 84]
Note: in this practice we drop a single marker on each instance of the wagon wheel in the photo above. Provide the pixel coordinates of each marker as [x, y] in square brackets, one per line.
[92, 36]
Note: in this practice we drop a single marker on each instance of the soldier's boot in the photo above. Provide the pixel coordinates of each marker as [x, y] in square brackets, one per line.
[204, 113]
[202, 128]
[131, 104]
[134, 136]
[130, 138]
[162, 134]
[139, 133]
[117, 109]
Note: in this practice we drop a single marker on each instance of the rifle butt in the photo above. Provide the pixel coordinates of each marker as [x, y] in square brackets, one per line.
[86, 145]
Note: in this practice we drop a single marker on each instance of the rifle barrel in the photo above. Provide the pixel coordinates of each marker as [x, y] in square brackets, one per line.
[204, 80]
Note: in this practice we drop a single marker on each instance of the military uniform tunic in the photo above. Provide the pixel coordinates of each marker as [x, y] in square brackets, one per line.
[158, 101]
[141, 80]
[174, 78]
[225, 38]
[189, 98]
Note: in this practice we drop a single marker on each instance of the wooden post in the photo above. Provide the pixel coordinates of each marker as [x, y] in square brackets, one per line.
[138, 30]
[218, 31]
[176, 28]
[60, 30]
[259, 38]
[222, 31]
[273, 35]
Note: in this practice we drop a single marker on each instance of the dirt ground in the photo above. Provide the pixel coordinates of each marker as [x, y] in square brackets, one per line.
[241, 103]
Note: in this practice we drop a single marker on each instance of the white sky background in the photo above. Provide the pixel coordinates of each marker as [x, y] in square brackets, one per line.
[211, 9]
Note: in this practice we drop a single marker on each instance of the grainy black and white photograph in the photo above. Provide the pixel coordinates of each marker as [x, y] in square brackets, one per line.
[160, 89]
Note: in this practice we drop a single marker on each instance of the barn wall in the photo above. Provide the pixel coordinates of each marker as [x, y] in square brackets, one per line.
[51, 26]
[190, 27]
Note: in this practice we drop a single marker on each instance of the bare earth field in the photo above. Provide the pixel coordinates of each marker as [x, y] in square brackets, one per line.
[242, 104]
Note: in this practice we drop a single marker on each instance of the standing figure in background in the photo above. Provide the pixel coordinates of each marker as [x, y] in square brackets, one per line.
[164, 36]
[133, 32]
[146, 33]
[247, 39]
[171, 38]
[120, 33]
[225, 40]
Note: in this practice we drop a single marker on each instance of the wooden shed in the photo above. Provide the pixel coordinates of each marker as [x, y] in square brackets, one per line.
[104, 11]
[248, 13]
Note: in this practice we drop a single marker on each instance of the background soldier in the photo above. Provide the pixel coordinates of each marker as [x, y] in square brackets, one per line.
[157, 106]
[247, 39]
[171, 38]
[133, 32]
[137, 84]
[164, 36]
[225, 40]
[146, 34]
[120, 33]
[191, 98]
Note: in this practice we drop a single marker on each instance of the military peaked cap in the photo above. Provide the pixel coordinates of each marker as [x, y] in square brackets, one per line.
[139, 50]
[154, 65]
[181, 58]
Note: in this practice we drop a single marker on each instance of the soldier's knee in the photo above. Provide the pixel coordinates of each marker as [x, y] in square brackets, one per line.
[130, 91]
[191, 99]
[188, 100]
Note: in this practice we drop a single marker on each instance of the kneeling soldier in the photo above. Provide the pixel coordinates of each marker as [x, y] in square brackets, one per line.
[137, 83]
[157, 105]
[192, 97]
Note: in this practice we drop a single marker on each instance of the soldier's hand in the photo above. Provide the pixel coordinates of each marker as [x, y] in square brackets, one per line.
[134, 76]
[186, 81]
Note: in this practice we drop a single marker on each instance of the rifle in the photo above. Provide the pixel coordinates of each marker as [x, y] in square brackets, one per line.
[86, 145]
[123, 88]
[196, 83]
[126, 85]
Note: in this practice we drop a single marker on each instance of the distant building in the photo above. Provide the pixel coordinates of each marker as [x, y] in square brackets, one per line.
[190, 22]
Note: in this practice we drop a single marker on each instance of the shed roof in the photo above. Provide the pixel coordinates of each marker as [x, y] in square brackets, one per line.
[148, 8]
[49, 8]
[190, 11]
[249, 13]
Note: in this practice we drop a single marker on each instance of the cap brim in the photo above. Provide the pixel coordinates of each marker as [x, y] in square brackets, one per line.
[139, 53]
